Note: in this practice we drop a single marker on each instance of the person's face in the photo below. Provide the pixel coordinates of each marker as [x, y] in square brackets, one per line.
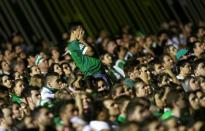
[156, 126]
[69, 111]
[66, 69]
[35, 70]
[43, 64]
[17, 75]
[200, 70]
[58, 69]
[79, 33]
[16, 111]
[139, 114]
[144, 73]
[35, 96]
[194, 101]
[107, 59]
[44, 117]
[6, 81]
[143, 90]
[119, 91]
[199, 47]
[168, 62]
[202, 84]
[55, 83]
[5, 66]
[194, 84]
[201, 98]
[186, 69]
[101, 86]
[7, 116]
[158, 68]
[19, 87]
[181, 103]
[112, 107]
[20, 68]
[172, 50]
[55, 54]
[133, 75]
[85, 101]
[111, 47]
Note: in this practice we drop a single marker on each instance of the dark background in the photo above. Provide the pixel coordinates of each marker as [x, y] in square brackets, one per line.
[47, 19]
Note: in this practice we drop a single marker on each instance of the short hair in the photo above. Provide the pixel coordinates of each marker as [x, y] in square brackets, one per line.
[50, 76]
[61, 105]
[181, 63]
[27, 92]
[73, 26]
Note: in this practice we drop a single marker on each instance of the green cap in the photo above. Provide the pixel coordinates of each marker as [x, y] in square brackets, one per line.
[181, 53]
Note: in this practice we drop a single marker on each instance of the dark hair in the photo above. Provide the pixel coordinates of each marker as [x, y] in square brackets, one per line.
[73, 26]
[49, 76]
[27, 92]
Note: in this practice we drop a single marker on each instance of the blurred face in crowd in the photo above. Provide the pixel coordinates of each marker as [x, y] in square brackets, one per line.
[200, 69]
[202, 83]
[5, 66]
[194, 84]
[45, 117]
[7, 119]
[35, 96]
[155, 126]
[186, 69]
[199, 47]
[111, 45]
[66, 69]
[158, 68]
[9, 55]
[16, 111]
[201, 98]
[43, 65]
[119, 92]
[17, 75]
[139, 114]
[181, 102]
[167, 62]
[172, 50]
[85, 101]
[55, 83]
[144, 73]
[6, 81]
[142, 89]
[69, 112]
[107, 59]
[134, 74]
[35, 70]
[194, 101]
[19, 87]
[58, 69]
[55, 54]
[112, 107]
[20, 67]
[101, 86]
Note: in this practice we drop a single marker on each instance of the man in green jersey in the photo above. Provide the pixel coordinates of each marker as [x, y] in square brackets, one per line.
[79, 51]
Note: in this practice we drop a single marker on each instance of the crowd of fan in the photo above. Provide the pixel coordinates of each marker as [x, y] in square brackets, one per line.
[157, 83]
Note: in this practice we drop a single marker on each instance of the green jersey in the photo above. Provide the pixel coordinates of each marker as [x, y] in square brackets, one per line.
[88, 65]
